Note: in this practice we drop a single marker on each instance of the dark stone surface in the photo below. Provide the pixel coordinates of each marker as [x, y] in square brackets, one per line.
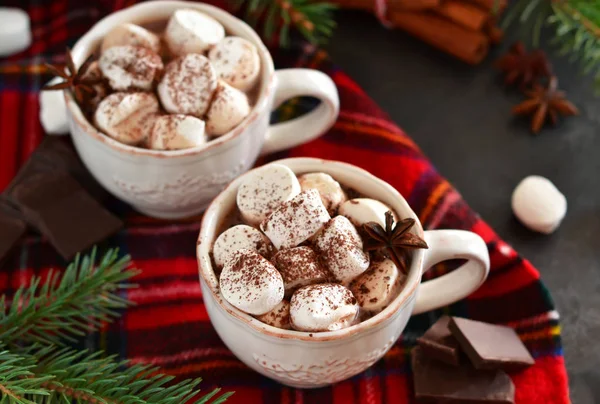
[460, 116]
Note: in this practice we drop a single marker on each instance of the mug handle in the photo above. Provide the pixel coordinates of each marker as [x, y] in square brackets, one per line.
[458, 284]
[302, 82]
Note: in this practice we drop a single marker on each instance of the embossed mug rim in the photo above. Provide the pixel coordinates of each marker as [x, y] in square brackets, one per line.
[161, 9]
[299, 165]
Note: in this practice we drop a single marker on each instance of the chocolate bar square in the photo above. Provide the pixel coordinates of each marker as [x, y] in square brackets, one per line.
[438, 343]
[12, 228]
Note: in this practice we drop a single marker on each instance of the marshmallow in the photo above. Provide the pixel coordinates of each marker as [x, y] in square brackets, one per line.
[190, 31]
[364, 210]
[296, 220]
[130, 67]
[131, 34]
[175, 132]
[378, 286]
[299, 267]
[538, 204]
[324, 307]
[236, 61]
[278, 317]
[238, 237]
[329, 189]
[251, 283]
[188, 85]
[340, 248]
[127, 117]
[53, 110]
[15, 31]
[263, 190]
[229, 107]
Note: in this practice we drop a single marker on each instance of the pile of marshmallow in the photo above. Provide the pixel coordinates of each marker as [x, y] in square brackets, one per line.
[298, 261]
[175, 91]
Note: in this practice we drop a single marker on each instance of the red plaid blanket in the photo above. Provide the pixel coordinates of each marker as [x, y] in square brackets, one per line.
[169, 326]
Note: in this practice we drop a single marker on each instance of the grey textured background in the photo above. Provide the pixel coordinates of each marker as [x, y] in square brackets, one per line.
[460, 116]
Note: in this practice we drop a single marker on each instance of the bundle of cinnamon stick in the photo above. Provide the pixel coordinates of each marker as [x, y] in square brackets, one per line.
[464, 29]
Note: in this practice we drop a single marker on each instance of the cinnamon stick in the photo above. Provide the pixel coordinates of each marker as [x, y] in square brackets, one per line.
[494, 32]
[464, 14]
[393, 5]
[466, 45]
[490, 5]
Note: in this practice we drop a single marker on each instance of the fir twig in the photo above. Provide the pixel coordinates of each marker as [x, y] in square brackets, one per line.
[67, 306]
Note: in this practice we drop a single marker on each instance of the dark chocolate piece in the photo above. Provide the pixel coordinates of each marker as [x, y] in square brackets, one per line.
[64, 212]
[435, 381]
[439, 343]
[12, 229]
[490, 346]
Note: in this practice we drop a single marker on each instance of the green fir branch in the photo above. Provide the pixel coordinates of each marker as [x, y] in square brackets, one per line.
[313, 19]
[67, 306]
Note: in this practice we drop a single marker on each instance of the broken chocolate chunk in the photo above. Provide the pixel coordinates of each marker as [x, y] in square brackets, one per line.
[12, 228]
[435, 381]
[490, 346]
[439, 343]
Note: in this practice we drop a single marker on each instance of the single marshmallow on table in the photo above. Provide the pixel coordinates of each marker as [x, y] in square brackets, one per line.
[236, 61]
[175, 132]
[130, 67]
[251, 283]
[15, 31]
[330, 190]
[296, 220]
[538, 204]
[238, 237]
[299, 267]
[378, 286]
[131, 34]
[188, 85]
[341, 249]
[324, 307]
[364, 210]
[127, 117]
[263, 190]
[278, 317]
[53, 110]
[190, 31]
[229, 107]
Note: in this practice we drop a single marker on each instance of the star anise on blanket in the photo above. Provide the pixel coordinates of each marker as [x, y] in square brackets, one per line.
[78, 81]
[522, 68]
[394, 239]
[543, 103]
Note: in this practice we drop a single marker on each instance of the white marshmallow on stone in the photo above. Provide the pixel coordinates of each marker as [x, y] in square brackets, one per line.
[364, 210]
[299, 267]
[53, 110]
[324, 307]
[15, 31]
[341, 249]
[127, 117]
[188, 85]
[378, 286]
[229, 107]
[175, 132]
[278, 317]
[538, 204]
[263, 190]
[296, 220]
[190, 31]
[130, 67]
[330, 190]
[236, 61]
[131, 34]
[238, 237]
[251, 283]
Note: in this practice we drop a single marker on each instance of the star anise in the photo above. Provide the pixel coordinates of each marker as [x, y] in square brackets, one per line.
[394, 239]
[545, 102]
[78, 81]
[523, 68]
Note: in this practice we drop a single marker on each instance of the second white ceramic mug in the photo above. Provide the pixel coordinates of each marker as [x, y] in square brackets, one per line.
[174, 184]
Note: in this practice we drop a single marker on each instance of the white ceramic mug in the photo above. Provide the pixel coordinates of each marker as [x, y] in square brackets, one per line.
[173, 184]
[302, 359]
